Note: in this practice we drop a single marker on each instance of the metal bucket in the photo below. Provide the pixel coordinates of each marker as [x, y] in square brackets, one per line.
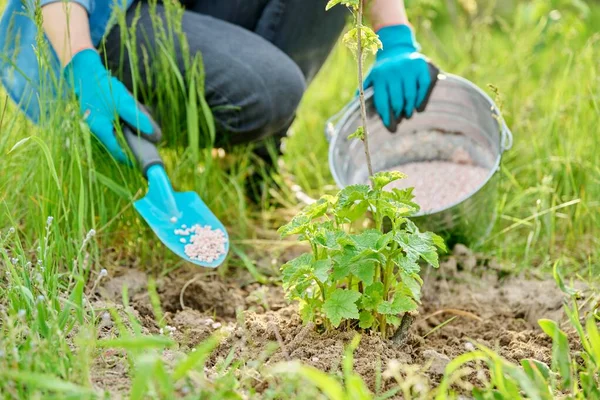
[459, 115]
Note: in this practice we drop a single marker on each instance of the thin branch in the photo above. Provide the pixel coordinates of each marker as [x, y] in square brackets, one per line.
[363, 108]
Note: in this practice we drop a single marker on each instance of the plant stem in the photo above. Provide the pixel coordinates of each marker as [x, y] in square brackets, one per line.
[363, 108]
[321, 287]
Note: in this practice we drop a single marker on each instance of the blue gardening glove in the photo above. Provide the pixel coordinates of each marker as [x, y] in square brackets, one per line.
[400, 76]
[104, 100]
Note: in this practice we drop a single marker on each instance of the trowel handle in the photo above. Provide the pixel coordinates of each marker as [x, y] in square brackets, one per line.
[433, 74]
[145, 151]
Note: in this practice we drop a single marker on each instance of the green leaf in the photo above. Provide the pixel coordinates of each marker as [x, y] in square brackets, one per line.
[352, 4]
[49, 382]
[296, 268]
[321, 269]
[539, 373]
[352, 202]
[358, 134]
[331, 387]
[366, 320]
[365, 271]
[560, 281]
[367, 239]
[384, 178]
[561, 358]
[383, 241]
[369, 255]
[413, 283]
[372, 296]
[418, 245]
[341, 304]
[369, 40]
[399, 305]
[594, 337]
[343, 263]
[316, 209]
[195, 358]
[136, 343]
[329, 239]
[142, 376]
[297, 276]
[407, 265]
[308, 308]
[393, 320]
[298, 224]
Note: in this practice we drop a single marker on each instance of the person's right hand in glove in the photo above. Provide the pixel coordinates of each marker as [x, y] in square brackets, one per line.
[103, 99]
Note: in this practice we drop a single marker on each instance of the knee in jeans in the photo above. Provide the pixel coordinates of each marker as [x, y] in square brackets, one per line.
[285, 88]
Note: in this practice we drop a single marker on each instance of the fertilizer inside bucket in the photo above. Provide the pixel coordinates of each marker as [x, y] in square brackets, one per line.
[439, 184]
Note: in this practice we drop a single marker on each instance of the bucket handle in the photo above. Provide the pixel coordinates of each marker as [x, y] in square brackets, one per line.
[507, 137]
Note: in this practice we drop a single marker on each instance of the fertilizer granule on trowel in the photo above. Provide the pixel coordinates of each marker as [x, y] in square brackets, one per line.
[204, 243]
[439, 184]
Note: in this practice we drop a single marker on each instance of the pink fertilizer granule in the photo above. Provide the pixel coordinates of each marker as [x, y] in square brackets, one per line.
[439, 184]
[205, 244]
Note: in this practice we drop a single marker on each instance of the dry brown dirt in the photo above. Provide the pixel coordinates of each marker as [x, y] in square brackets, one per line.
[498, 312]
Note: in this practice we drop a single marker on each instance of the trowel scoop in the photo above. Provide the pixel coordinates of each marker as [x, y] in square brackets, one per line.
[165, 210]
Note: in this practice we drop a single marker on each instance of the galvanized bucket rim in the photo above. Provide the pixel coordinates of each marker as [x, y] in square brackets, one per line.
[337, 121]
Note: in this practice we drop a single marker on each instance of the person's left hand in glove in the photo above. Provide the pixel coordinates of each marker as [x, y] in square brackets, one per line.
[400, 76]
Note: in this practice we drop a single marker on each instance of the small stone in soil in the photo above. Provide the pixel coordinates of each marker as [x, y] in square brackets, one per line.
[438, 361]
[439, 184]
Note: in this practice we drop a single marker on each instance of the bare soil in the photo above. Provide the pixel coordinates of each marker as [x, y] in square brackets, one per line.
[498, 312]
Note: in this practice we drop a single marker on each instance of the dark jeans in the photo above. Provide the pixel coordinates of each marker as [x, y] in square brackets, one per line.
[259, 56]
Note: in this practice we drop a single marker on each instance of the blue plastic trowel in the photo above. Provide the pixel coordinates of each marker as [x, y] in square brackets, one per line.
[165, 210]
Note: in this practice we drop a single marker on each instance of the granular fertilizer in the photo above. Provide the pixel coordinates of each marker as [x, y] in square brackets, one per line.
[439, 184]
[205, 244]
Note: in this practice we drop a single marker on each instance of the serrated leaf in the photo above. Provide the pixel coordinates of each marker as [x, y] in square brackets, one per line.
[418, 245]
[329, 239]
[367, 239]
[343, 263]
[384, 240]
[384, 178]
[366, 320]
[321, 269]
[413, 283]
[358, 134]
[316, 209]
[352, 193]
[296, 267]
[340, 305]
[296, 276]
[297, 225]
[369, 255]
[365, 271]
[438, 242]
[372, 296]
[399, 305]
[407, 265]
[352, 202]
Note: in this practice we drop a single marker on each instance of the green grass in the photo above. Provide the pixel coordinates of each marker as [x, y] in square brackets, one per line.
[545, 70]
